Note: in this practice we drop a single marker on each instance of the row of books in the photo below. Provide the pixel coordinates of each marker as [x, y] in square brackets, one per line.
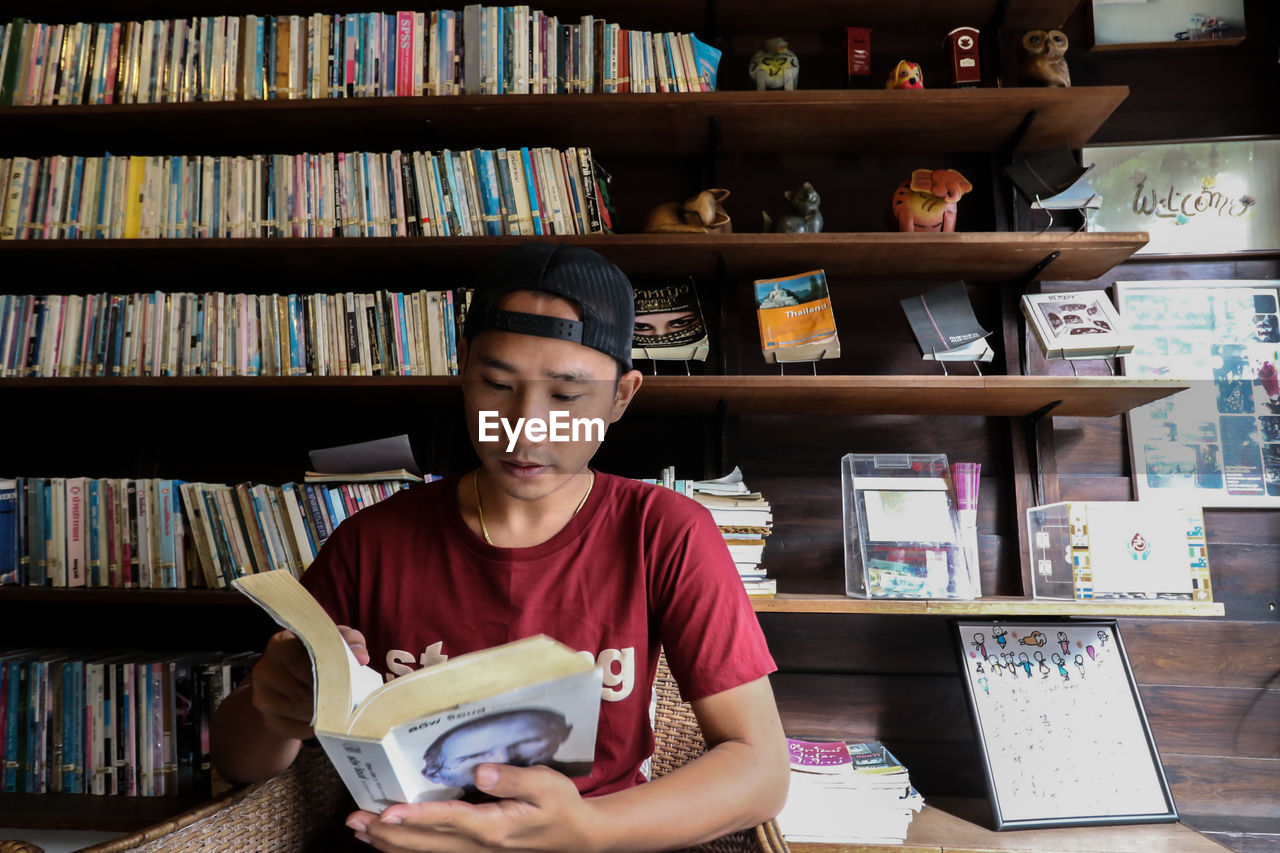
[744, 518]
[231, 334]
[490, 50]
[477, 192]
[129, 724]
[167, 534]
[847, 793]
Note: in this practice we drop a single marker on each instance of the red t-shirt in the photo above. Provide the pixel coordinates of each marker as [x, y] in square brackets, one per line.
[638, 566]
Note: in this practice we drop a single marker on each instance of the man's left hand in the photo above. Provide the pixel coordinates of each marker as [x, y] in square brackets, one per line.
[539, 809]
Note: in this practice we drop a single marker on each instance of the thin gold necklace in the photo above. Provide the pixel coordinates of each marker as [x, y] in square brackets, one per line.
[484, 530]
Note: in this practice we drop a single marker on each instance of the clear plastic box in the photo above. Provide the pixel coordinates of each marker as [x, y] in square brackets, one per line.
[901, 536]
[1089, 550]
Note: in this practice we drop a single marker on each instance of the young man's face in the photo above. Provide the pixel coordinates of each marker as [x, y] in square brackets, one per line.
[526, 376]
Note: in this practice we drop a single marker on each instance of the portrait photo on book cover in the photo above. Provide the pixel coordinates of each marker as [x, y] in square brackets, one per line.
[521, 737]
[667, 314]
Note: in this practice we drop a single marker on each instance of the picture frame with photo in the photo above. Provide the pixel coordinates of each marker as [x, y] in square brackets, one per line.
[1217, 444]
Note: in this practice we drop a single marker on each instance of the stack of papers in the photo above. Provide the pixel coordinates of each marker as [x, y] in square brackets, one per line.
[856, 793]
[744, 517]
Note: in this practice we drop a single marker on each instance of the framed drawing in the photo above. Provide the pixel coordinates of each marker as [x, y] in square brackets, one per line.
[1063, 735]
[1131, 24]
[1212, 197]
[1216, 444]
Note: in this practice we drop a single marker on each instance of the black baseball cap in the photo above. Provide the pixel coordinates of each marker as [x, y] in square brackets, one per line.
[601, 290]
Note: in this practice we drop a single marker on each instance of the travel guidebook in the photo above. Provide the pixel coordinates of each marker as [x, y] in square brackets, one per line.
[796, 321]
[420, 736]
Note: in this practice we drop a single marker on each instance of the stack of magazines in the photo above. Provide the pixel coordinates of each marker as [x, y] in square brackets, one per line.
[847, 793]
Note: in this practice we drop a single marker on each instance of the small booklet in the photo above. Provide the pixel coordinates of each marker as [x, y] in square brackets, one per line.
[796, 321]
[420, 736]
[1081, 324]
[669, 325]
[945, 326]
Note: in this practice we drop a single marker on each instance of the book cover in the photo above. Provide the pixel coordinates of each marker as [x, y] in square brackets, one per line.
[669, 323]
[795, 318]
[419, 737]
[943, 320]
[1080, 324]
[1053, 180]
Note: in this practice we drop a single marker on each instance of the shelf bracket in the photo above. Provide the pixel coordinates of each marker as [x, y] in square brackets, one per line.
[1037, 421]
[1021, 132]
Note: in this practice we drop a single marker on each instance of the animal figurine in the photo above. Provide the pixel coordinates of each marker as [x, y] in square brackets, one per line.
[905, 75]
[807, 219]
[927, 202]
[774, 66]
[701, 214]
[1044, 58]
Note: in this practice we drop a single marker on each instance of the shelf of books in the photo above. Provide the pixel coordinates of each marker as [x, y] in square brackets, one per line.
[976, 256]
[827, 121]
[679, 14]
[994, 606]
[996, 396]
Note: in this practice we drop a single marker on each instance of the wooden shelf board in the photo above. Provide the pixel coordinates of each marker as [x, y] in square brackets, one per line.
[783, 603]
[1001, 606]
[974, 256]
[98, 595]
[995, 396]
[816, 120]
[954, 825]
[1167, 45]
[85, 811]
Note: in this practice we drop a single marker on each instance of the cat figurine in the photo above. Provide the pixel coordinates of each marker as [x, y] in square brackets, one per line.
[774, 66]
[701, 214]
[927, 202]
[807, 219]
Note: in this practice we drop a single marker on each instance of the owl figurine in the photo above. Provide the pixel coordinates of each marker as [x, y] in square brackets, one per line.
[774, 66]
[1043, 58]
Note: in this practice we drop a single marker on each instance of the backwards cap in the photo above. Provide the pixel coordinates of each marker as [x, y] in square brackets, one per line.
[600, 289]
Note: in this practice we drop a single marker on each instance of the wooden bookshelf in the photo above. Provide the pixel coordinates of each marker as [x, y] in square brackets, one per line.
[816, 121]
[955, 825]
[783, 603]
[995, 606]
[1083, 396]
[846, 257]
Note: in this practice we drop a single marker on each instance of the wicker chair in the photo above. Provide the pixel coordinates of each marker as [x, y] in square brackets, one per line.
[303, 808]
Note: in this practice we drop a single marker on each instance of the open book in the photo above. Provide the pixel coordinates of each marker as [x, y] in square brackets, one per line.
[420, 736]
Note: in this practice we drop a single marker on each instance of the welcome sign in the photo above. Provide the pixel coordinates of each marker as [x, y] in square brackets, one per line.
[1196, 198]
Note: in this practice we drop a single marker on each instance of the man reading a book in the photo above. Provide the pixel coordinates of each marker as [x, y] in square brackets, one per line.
[535, 541]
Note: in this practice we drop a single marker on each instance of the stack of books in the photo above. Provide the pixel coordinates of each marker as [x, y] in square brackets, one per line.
[847, 793]
[744, 518]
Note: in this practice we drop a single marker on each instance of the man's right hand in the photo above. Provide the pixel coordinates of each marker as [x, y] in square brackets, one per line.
[281, 682]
